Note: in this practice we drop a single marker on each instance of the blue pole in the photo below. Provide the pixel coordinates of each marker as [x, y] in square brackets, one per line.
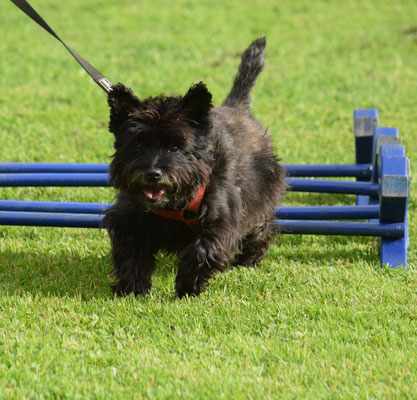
[54, 179]
[23, 167]
[101, 179]
[331, 186]
[50, 219]
[53, 207]
[362, 171]
[299, 212]
[327, 212]
[394, 230]
[389, 230]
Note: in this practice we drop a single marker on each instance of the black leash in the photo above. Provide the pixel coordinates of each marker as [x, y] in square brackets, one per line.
[99, 78]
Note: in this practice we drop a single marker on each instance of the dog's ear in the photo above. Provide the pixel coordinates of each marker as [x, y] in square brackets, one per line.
[122, 102]
[197, 103]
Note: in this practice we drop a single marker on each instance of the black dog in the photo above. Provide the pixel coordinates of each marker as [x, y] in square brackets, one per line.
[192, 179]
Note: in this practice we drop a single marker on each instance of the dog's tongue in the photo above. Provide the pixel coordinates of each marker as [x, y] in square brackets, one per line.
[154, 192]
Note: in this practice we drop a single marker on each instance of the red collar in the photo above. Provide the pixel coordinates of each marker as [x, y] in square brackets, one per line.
[190, 214]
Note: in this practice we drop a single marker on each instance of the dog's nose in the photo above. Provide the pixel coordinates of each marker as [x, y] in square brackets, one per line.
[153, 174]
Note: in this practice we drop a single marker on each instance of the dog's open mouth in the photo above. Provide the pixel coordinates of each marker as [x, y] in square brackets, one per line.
[154, 192]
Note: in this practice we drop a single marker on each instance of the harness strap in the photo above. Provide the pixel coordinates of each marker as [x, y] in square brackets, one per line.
[190, 215]
[98, 78]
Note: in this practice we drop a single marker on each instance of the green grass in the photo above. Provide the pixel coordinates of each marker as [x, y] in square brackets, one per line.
[318, 319]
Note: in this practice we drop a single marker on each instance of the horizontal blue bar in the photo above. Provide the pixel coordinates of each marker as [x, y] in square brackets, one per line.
[53, 206]
[54, 179]
[23, 167]
[285, 212]
[395, 230]
[50, 219]
[362, 171]
[101, 179]
[327, 212]
[296, 170]
[332, 186]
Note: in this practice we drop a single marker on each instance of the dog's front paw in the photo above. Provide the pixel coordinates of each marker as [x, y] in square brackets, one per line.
[121, 290]
[188, 286]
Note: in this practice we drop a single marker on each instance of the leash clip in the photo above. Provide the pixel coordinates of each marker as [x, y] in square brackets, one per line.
[105, 84]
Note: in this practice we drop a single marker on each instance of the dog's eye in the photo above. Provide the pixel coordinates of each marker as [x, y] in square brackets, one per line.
[174, 149]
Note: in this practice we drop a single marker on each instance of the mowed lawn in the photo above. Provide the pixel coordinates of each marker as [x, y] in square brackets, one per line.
[318, 319]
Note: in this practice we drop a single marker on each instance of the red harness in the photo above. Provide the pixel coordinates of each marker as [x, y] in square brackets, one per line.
[190, 214]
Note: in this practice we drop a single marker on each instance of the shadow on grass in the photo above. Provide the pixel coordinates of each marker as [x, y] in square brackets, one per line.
[64, 274]
[55, 274]
[85, 271]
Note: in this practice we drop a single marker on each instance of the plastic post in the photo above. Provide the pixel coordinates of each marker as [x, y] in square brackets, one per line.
[383, 135]
[394, 175]
[365, 121]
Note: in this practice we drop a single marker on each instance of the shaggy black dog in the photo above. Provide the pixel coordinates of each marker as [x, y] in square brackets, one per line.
[192, 179]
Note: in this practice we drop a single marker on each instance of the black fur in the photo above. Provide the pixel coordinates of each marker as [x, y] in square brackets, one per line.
[166, 148]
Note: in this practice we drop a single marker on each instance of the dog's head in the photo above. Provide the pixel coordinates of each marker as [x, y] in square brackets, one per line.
[163, 149]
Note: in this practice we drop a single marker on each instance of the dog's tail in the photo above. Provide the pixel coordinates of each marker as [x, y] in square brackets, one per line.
[252, 64]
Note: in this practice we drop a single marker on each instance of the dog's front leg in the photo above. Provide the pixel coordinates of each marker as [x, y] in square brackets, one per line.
[134, 262]
[208, 254]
